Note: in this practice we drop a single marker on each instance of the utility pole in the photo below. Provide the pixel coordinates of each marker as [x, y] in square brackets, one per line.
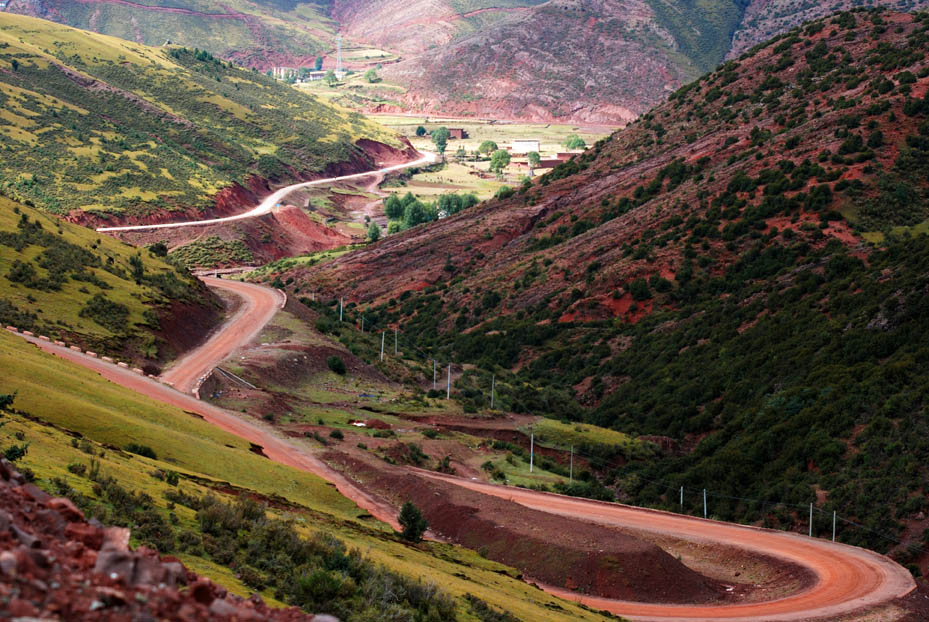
[433, 374]
[493, 380]
[341, 305]
[682, 499]
[811, 520]
[531, 449]
[572, 465]
[395, 341]
[382, 345]
[338, 62]
[362, 324]
[448, 390]
[704, 503]
[833, 525]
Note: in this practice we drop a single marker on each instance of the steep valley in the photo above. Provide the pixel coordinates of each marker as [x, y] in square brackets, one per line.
[760, 220]
[679, 374]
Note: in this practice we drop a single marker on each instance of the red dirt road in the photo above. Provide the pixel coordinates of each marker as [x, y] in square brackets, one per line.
[849, 579]
[274, 447]
[261, 303]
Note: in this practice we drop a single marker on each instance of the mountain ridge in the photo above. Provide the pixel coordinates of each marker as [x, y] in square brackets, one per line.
[591, 61]
[173, 130]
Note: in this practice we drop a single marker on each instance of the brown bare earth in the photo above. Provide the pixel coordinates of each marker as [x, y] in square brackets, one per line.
[582, 556]
[535, 64]
[261, 304]
[287, 231]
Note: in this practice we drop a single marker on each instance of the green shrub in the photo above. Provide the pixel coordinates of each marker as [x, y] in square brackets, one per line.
[336, 364]
[111, 315]
[142, 450]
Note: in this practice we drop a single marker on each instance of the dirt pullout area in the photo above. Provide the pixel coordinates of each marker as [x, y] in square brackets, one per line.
[54, 565]
[754, 577]
[554, 550]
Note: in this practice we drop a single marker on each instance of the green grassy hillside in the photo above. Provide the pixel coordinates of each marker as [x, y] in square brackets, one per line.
[702, 29]
[68, 282]
[115, 128]
[265, 33]
[77, 429]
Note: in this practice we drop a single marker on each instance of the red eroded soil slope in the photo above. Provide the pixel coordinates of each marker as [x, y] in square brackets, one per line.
[763, 150]
[577, 555]
[563, 59]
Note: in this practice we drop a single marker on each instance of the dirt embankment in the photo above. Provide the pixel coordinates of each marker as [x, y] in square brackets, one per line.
[554, 550]
[185, 325]
[289, 230]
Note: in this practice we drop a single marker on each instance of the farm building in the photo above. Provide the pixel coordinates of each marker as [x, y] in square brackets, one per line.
[457, 132]
[543, 164]
[524, 145]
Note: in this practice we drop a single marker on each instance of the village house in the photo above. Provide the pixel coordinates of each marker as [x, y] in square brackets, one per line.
[524, 145]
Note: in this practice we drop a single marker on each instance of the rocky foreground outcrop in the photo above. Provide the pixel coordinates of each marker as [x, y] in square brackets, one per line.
[55, 565]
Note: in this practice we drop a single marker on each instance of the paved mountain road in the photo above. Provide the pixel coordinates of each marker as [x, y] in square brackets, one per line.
[849, 579]
[267, 205]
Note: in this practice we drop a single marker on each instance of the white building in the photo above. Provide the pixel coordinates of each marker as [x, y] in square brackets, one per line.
[524, 145]
[284, 73]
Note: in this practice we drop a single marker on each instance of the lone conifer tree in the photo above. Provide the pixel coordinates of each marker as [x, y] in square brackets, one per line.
[412, 522]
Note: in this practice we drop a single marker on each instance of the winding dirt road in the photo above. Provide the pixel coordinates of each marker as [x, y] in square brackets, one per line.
[260, 305]
[849, 579]
[272, 200]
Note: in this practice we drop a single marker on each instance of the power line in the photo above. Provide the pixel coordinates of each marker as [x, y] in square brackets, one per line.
[602, 463]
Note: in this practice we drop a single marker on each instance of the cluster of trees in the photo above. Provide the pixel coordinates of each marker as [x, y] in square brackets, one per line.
[408, 211]
[573, 141]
